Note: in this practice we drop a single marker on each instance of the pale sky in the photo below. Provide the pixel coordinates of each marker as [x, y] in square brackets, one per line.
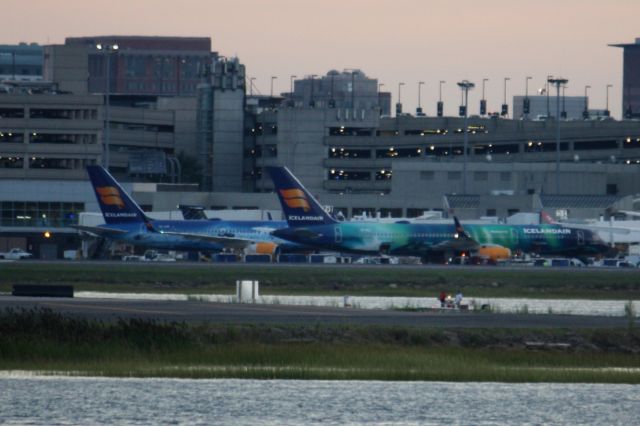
[391, 40]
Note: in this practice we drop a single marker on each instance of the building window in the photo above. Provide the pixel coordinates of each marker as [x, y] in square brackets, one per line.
[427, 175]
[384, 174]
[50, 163]
[136, 66]
[454, 175]
[337, 152]
[387, 212]
[366, 211]
[491, 212]
[481, 176]
[413, 212]
[11, 137]
[336, 174]
[54, 214]
[11, 112]
[505, 176]
[11, 162]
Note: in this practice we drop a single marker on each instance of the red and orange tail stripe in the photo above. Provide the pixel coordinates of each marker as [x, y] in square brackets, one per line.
[295, 199]
[110, 196]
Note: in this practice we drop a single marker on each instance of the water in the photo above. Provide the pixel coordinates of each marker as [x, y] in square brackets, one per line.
[39, 400]
[499, 304]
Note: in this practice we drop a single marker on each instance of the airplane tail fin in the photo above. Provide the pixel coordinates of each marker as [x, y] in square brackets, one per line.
[298, 206]
[116, 205]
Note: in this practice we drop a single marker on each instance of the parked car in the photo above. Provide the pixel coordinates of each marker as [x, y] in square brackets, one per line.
[155, 256]
[16, 254]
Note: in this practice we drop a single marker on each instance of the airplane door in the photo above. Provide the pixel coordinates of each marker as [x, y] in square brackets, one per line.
[514, 237]
[338, 233]
[580, 237]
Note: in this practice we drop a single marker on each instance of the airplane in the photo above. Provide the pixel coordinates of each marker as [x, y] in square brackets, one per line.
[309, 224]
[126, 222]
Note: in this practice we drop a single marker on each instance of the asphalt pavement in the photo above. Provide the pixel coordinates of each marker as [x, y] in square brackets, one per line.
[249, 313]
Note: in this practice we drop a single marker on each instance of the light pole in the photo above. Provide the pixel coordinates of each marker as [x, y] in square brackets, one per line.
[525, 103]
[558, 83]
[353, 91]
[585, 113]
[273, 77]
[505, 107]
[465, 86]
[291, 78]
[312, 77]
[549, 78]
[419, 109]
[251, 86]
[107, 49]
[607, 113]
[440, 105]
[399, 104]
[483, 101]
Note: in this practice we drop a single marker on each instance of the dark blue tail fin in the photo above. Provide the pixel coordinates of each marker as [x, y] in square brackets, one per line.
[115, 203]
[459, 229]
[299, 207]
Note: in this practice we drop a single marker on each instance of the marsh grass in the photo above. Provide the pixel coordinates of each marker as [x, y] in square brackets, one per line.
[326, 280]
[48, 342]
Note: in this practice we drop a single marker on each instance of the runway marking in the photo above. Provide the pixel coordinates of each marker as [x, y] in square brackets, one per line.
[104, 308]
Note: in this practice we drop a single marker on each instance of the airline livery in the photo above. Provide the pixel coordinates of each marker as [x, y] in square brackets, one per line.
[126, 222]
[309, 224]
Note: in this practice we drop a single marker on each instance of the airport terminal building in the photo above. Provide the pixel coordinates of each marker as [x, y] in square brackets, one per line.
[208, 144]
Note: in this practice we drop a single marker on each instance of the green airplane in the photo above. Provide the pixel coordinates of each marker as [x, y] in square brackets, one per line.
[311, 225]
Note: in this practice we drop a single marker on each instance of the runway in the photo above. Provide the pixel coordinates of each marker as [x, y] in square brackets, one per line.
[232, 313]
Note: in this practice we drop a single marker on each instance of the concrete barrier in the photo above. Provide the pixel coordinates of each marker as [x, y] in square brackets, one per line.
[42, 290]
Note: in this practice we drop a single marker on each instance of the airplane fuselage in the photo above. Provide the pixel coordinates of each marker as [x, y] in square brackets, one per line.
[161, 238]
[421, 239]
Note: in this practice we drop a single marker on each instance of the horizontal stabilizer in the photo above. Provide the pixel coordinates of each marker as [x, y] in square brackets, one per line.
[100, 231]
[229, 242]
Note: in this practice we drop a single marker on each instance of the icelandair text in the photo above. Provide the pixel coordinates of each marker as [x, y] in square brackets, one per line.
[546, 230]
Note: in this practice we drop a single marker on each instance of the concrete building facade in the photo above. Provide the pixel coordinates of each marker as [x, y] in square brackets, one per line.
[54, 135]
[220, 124]
[630, 79]
[141, 65]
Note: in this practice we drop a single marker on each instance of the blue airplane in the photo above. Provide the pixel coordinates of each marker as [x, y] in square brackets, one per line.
[309, 224]
[126, 222]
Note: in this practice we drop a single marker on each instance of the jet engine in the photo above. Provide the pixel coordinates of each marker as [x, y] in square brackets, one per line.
[494, 252]
[263, 248]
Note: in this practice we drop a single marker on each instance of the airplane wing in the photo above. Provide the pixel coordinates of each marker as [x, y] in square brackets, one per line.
[230, 242]
[460, 241]
[99, 231]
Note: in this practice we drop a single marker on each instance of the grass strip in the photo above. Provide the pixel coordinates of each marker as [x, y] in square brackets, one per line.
[44, 341]
[328, 280]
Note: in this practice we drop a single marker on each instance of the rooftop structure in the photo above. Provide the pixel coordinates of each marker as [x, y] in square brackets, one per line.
[22, 62]
[140, 65]
[630, 79]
